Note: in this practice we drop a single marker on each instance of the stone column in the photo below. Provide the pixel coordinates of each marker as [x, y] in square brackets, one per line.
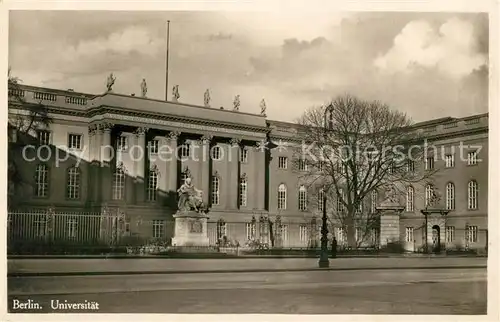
[172, 162]
[93, 178]
[205, 167]
[260, 178]
[140, 155]
[234, 177]
[107, 155]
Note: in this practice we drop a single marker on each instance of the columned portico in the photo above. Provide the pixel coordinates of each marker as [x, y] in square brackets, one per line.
[234, 161]
[140, 165]
[260, 180]
[205, 167]
[172, 158]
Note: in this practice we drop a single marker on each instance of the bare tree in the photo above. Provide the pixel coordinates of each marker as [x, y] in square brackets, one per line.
[24, 120]
[353, 151]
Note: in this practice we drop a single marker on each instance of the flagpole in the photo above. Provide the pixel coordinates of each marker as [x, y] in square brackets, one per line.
[167, 56]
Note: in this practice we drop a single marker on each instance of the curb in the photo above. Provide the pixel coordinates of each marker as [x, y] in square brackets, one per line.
[228, 257]
[226, 271]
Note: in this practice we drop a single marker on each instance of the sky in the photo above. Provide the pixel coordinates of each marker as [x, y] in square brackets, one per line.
[428, 65]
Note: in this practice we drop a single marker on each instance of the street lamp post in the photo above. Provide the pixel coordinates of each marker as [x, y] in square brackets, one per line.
[323, 259]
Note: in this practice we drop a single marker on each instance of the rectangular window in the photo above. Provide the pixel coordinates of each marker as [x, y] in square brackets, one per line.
[185, 150]
[250, 230]
[284, 233]
[75, 141]
[409, 234]
[471, 234]
[43, 137]
[244, 155]
[341, 236]
[282, 162]
[472, 158]
[374, 236]
[302, 165]
[158, 228]
[359, 234]
[303, 236]
[121, 143]
[243, 192]
[410, 166]
[429, 163]
[154, 146]
[449, 160]
[450, 234]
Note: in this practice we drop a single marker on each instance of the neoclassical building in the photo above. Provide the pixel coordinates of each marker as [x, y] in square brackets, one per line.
[253, 191]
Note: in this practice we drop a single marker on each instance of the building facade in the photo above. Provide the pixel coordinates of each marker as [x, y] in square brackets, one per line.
[133, 153]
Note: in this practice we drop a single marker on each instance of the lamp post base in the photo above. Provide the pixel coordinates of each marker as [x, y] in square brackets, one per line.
[323, 260]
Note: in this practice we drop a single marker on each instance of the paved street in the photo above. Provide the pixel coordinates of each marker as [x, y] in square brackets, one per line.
[401, 291]
[151, 265]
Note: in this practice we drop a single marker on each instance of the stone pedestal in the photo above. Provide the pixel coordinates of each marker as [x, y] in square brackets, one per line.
[389, 223]
[190, 229]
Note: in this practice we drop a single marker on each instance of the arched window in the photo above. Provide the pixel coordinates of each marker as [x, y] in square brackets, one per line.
[73, 186]
[282, 196]
[302, 198]
[152, 184]
[321, 196]
[450, 196]
[215, 190]
[340, 202]
[472, 194]
[374, 199]
[410, 199]
[429, 190]
[42, 180]
[119, 184]
[216, 153]
[243, 191]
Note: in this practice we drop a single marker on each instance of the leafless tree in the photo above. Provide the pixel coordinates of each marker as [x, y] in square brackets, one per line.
[355, 151]
[24, 120]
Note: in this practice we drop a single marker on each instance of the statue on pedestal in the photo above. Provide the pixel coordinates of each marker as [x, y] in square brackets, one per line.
[190, 198]
[110, 82]
[392, 194]
[144, 88]
[434, 199]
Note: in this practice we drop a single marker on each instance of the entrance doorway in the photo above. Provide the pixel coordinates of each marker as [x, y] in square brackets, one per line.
[436, 241]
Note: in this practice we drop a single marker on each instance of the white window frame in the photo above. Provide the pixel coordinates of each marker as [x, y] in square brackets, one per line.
[302, 198]
[250, 230]
[73, 183]
[303, 233]
[321, 196]
[340, 204]
[472, 158]
[216, 153]
[409, 234]
[244, 155]
[121, 143]
[472, 234]
[44, 137]
[152, 187]
[472, 195]
[303, 166]
[185, 150]
[243, 192]
[282, 162]
[215, 190]
[119, 184]
[429, 163]
[450, 234]
[449, 161]
[410, 199]
[75, 141]
[158, 228]
[429, 189]
[450, 196]
[154, 146]
[282, 196]
[374, 199]
[42, 181]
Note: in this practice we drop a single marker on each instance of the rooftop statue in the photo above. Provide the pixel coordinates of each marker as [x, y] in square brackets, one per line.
[110, 82]
[263, 107]
[175, 93]
[190, 198]
[206, 98]
[144, 88]
[236, 103]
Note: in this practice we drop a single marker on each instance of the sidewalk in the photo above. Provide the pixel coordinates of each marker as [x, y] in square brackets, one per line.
[111, 266]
